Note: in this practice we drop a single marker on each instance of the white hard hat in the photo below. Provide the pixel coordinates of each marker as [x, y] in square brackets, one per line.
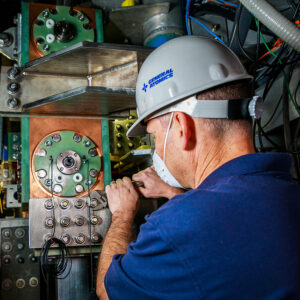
[180, 68]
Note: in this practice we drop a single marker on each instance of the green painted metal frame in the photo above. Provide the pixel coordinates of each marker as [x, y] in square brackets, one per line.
[25, 120]
[25, 171]
[104, 123]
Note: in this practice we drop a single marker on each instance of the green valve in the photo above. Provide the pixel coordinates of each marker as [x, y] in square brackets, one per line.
[59, 28]
[65, 164]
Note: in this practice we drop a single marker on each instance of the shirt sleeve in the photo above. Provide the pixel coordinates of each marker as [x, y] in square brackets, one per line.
[149, 269]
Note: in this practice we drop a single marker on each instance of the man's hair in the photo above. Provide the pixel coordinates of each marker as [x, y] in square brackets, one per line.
[232, 90]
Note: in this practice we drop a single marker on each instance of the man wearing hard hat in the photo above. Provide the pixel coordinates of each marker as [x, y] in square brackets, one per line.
[235, 234]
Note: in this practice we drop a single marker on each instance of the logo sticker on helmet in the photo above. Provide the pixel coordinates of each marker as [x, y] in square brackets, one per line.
[158, 79]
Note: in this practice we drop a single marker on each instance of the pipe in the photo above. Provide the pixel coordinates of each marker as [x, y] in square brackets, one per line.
[275, 21]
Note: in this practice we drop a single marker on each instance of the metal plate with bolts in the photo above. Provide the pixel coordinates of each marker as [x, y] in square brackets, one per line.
[71, 220]
[90, 79]
[130, 20]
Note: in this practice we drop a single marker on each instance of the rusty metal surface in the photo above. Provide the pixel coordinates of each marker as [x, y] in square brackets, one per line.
[38, 215]
[39, 128]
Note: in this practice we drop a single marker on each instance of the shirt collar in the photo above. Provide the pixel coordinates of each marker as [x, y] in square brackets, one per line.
[249, 164]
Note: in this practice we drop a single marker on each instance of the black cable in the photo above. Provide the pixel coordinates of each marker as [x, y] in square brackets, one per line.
[60, 266]
[92, 290]
[273, 114]
[61, 263]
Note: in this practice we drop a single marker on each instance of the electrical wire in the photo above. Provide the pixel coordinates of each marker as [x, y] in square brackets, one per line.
[92, 290]
[60, 266]
[207, 29]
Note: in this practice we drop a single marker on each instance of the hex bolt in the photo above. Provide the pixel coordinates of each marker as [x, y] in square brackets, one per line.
[13, 103]
[12, 88]
[15, 156]
[66, 238]
[119, 127]
[64, 204]
[41, 152]
[48, 182]
[46, 47]
[56, 138]
[20, 283]
[93, 173]
[65, 221]
[40, 41]
[130, 145]
[93, 203]
[119, 136]
[86, 26]
[42, 173]
[87, 143]
[48, 204]
[119, 146]
[88, 182]
[79, 188]
[80, 238]
[13, 73]
[40, 22]
[131, 117]
[79, 203]
[53, 11]
[45, 14]
[93, 152]
[57, 188]
[72, 13]
[81, 18]
[49, 222]
[15, 137]
[79, 220]
[77, 138]
[5, 39]
[47, 143]
[33, 282]
[95, 220]
[96, 238]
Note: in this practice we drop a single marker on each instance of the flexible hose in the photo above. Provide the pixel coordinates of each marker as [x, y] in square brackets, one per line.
[275, 21]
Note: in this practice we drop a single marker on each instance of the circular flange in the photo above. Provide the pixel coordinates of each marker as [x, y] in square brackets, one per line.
[68, 162]
[64, 26]
[69, 157]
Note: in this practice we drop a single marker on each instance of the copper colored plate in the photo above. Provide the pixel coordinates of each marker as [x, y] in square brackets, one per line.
[41, 127]
[35, 9]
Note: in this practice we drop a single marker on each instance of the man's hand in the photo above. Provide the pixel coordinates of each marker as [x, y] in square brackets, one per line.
[123, 201]
[154, 186]
[123, 197]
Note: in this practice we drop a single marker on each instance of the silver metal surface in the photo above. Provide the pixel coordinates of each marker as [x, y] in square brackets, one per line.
[86, 58]
[86, 101]
[130, 20]
[68, 162]
[12, 200]
[88, 79]
[11, 51]
[38, 214]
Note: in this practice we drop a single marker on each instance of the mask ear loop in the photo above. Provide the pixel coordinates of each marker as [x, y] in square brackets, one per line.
[165, 143]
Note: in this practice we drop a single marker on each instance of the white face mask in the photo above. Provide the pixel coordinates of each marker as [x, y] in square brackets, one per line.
[160, 166]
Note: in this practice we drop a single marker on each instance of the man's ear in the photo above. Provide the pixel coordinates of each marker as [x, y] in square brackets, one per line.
[185, 127]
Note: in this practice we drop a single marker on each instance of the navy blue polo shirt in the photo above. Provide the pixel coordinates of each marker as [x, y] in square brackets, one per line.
[237, 236]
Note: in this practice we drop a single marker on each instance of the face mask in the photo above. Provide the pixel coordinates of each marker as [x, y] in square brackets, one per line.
[160, 166]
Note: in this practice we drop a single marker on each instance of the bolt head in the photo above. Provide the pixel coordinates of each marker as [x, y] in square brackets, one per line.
[56, 138]
[13, 103]
[87, 143]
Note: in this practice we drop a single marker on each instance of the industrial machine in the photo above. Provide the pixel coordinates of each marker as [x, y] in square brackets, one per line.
[67, 99]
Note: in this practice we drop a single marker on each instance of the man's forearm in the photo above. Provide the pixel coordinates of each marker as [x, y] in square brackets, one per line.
[117, 239]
